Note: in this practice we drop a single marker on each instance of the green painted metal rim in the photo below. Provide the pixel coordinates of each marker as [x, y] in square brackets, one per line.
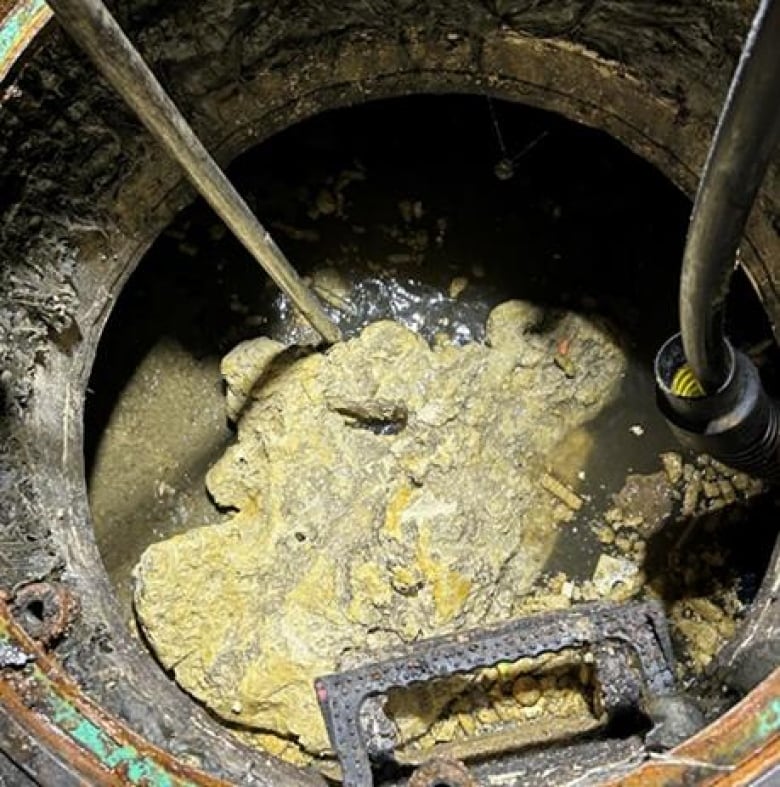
[18, 28]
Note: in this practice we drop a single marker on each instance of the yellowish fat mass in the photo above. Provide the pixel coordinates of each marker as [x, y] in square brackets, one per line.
[395, 508]
[450, 589]
[347, 542]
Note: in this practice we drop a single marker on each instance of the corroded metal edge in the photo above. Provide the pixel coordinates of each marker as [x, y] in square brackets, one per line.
[47, 708]
[738, 748]
[18, 28]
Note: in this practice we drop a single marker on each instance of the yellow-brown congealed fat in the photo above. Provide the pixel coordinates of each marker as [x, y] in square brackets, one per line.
[384, 491]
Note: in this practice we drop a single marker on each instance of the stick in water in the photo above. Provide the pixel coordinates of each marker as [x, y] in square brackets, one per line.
[93, 28]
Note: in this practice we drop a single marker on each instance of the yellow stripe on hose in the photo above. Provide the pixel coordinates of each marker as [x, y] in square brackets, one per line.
[685, 385]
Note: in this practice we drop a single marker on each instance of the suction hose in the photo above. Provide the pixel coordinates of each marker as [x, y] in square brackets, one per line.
[709, 392]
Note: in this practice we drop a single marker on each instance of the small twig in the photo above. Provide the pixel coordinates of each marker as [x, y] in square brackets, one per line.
[505, 778]
[668, 759]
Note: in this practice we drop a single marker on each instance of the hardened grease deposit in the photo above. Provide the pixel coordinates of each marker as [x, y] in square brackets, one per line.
[384, 491]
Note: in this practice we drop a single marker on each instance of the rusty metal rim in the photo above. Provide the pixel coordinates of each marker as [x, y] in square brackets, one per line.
[38, 694]
[735, 749]
[41, 698]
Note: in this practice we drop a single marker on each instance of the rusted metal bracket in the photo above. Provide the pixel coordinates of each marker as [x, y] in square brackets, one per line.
[44, 610]
[609, 630]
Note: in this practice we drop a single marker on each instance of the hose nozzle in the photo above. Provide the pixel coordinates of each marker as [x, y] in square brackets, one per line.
[739, 425]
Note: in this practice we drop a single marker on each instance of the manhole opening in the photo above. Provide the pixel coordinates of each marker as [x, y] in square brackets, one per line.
[406, 210]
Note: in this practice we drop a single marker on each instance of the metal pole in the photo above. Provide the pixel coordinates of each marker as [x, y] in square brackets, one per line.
[91, 25]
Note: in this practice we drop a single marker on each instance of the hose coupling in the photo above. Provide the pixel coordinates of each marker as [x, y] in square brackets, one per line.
[739, 425]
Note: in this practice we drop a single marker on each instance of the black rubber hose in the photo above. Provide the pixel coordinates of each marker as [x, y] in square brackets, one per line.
[710, 393]
[746, 136]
